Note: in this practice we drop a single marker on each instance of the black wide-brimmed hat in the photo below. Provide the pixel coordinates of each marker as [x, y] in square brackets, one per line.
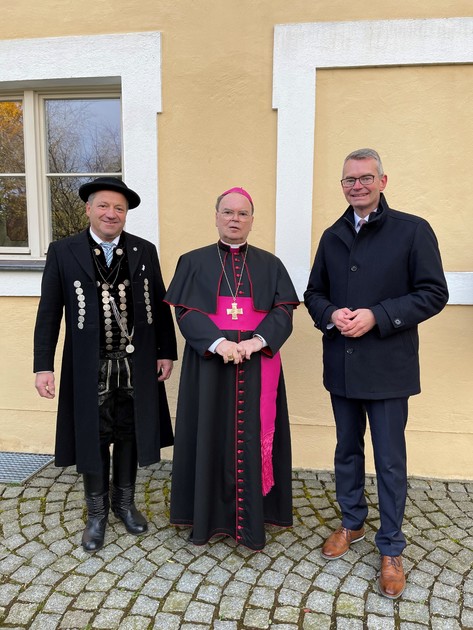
[110, 183]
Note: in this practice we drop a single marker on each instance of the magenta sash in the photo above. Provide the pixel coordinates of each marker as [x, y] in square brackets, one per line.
[270, 372]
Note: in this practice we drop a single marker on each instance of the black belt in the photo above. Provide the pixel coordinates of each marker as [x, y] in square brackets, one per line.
[120, 354]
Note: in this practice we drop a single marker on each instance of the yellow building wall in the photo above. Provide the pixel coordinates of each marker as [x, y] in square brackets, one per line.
[218, 129]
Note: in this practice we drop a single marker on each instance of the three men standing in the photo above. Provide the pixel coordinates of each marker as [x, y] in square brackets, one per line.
[119, 348]
[377, 274]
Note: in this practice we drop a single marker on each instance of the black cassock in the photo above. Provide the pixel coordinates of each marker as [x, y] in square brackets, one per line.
[217, 465]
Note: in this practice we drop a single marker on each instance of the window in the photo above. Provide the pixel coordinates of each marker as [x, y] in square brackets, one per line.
[50, 144]
[13, 224]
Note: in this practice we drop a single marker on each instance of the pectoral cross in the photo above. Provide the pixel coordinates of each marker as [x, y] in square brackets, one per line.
[234, 311]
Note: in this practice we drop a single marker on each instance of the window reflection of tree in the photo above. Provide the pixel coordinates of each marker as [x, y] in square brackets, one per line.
[83, 136]
[13, 219]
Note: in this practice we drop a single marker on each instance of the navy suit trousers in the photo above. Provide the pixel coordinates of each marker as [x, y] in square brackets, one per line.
[388, 420]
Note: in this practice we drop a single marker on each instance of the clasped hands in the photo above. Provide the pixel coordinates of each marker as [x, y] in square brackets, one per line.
[233, 352]
[353, 323]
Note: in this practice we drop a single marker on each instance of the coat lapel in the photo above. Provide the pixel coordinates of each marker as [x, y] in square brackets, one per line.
[134, 251]
[80, 249]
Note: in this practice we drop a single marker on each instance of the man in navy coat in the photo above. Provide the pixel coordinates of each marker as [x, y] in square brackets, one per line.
[377, 274]
[119, 348]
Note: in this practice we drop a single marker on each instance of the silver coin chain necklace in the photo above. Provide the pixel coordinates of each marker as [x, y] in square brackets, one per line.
[111, 300]
[234, 311]
[123, 327]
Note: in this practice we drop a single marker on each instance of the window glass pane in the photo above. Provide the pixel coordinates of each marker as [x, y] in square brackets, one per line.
[12, 156]
[67, 208]
[13, 219]
[83, 135]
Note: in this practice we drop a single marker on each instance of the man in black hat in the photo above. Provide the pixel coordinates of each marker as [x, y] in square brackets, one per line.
[119, 348]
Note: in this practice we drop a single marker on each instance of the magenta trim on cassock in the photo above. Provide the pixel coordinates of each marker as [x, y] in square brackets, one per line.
[270, 372]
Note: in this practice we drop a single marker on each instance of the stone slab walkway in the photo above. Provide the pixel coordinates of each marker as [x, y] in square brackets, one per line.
[160, 581]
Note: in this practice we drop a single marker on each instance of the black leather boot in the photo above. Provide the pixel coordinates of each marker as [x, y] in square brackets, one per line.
[97, 515]
[125, 463]
[96, 488]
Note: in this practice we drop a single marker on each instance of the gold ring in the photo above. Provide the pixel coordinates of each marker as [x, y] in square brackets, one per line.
[230, 357]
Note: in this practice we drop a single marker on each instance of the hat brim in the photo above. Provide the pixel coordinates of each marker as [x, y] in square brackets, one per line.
[92, 187]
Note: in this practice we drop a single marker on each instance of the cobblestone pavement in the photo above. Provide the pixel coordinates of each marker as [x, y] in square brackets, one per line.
[161, 581]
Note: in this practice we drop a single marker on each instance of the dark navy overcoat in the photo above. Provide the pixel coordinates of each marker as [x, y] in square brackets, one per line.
[393, 267]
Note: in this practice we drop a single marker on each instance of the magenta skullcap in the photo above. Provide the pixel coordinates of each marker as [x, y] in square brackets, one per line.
[240, 191]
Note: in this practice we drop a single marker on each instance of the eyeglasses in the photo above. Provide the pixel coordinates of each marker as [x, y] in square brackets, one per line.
[364, 180]
[228, 215]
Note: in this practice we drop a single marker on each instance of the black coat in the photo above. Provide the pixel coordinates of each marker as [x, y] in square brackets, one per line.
[393, 267]
[70, 260]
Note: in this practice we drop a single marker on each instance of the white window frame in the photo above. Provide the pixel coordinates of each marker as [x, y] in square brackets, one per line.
[130, 62]
[299, 49]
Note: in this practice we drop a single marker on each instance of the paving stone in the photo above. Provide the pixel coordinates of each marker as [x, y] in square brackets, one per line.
[25, 574]
[256, 618]
[344, 623]
[189, 582]
[262, 597]
[76, 619]
[231, 607]
[8, 592]
[108, 618]
[271, 578]
[145, 606]
[325, 582]
[314, 621]
[410, 611]
[349, 605]
[34, 594]
[199, 612]
[467, 618]
[218, 576]
[177, 602]
[289, 614]
[282, 565]
[446, 592]
[225, 625]
[238, 589]
[320, 602]
[167, 621]
[286, 596]
[135, 622]
[45, 622]
[440, 623]
[10, 564]
[354, 586]
[118, 599]
[443, 607]
[379, 623]
[89, 601]
[21, 614]
[132, 581]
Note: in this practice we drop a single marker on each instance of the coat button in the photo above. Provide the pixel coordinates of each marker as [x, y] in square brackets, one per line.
[397, 322]
[353, 268]
[349, 350]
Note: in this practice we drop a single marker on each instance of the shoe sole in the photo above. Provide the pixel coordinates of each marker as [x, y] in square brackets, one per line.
[345, 552]
[390, 596]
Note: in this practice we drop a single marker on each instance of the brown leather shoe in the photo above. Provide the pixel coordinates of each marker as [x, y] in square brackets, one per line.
[338, 543]
[392, 580]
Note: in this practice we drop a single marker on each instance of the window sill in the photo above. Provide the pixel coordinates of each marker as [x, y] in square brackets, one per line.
[22, 265]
